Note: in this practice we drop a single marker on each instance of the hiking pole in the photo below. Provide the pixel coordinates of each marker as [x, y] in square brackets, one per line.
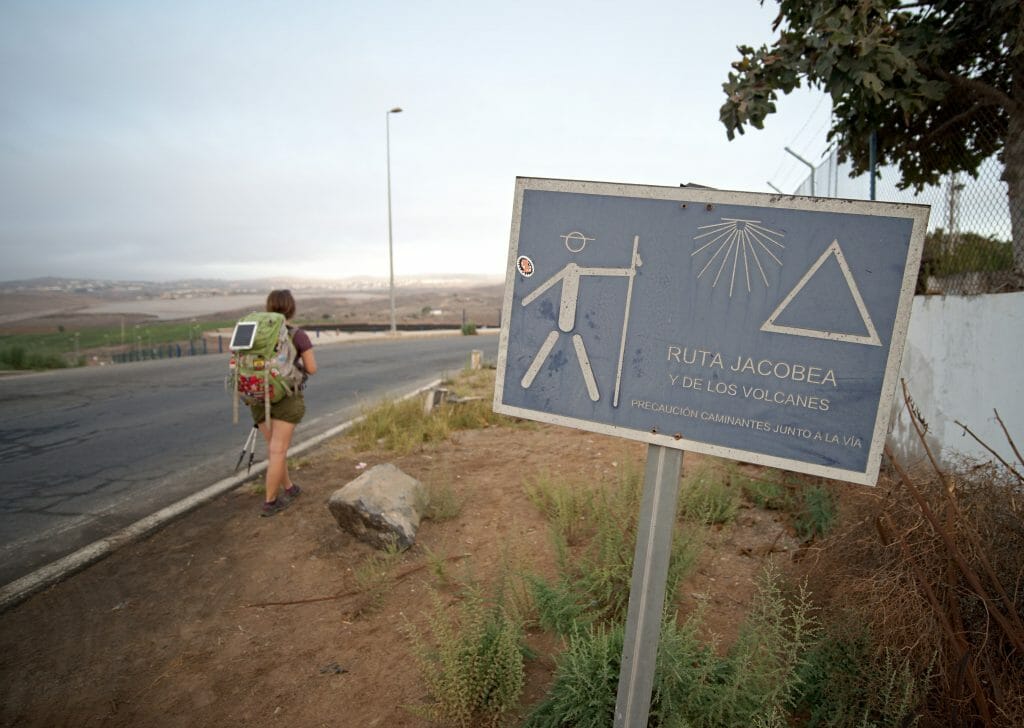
[633, 264]
[250, 445]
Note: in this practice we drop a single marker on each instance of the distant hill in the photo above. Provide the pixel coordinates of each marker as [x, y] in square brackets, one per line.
[214, 287]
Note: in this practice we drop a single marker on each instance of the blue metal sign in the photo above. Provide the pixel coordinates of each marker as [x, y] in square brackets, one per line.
[756, 327]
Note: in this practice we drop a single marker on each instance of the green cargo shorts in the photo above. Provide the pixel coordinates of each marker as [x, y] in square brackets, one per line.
[290, 409]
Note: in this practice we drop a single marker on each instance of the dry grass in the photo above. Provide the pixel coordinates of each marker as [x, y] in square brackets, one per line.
[889, 568]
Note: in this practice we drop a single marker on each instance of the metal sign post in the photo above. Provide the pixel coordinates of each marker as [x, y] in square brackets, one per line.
[647, 590]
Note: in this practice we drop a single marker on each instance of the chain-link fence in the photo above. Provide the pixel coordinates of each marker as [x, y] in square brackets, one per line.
[969, 246]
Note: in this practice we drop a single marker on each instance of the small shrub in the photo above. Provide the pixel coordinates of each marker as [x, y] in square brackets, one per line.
[567, 506]
[707, 497]
[760, 674]
[586, 682]
[890, 578]
[753, 684]
[687, 690]
[843, 683]
[598, 573]
[374, 576]
[444, 504]
[558, 609]
[472, 663]
[469, 329]
[815, 512]
[947, 254]
[768, 491]
[438, 563]
[14, 357]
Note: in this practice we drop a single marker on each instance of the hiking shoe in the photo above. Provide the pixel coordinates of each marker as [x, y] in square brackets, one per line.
[293, 492]
[273, 507]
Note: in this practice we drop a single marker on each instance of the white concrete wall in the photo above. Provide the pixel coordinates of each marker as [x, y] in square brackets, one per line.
[964, 358]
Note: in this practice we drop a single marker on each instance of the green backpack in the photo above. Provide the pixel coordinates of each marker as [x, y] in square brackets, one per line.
[263, 361]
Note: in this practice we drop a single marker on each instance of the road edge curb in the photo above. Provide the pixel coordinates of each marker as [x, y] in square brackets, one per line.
[19, 590]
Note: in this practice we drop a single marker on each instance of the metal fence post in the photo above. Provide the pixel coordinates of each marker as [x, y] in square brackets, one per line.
[872, 161]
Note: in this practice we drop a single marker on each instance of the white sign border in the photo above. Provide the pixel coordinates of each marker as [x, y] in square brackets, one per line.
[917, 213]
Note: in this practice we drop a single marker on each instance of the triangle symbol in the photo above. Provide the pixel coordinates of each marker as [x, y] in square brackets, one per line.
[869, 339]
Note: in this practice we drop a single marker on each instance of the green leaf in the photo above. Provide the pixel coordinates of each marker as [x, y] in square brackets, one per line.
[871, 81]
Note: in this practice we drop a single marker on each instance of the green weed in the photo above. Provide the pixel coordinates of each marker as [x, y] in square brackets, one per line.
[474, 383]
[844, 682]
[443, 504]
[373, 576]
[811, 508]
[557, 606]
[568, 506]
[472, 662]
[403, 427]
[760, 675]
[438, 563]
[814, 512]
[399, 426]
[708, 498]
[768, 490]
[753, 684]
[584, 690]
[470, 415]
[595, 576]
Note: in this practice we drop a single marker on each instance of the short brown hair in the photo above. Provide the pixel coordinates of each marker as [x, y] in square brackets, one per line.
[281, 302]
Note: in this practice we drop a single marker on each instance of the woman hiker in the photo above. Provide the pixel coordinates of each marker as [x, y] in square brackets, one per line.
[284, 415]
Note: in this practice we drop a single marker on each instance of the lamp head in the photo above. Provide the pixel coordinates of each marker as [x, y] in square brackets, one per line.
[396, 110]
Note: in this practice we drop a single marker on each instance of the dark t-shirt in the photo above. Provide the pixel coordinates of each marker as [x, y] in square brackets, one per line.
[302, 343]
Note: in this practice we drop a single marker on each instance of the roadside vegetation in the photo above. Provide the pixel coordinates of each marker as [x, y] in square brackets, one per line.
[948, 255]
[18, 358]
[790, 665]
[63, 348]
[902, 607]
[402, 426]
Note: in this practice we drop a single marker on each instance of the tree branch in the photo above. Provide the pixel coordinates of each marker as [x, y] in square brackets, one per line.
[962, 116]
[999, 457]
[1013, 445]
[354, 592]
[981, 88]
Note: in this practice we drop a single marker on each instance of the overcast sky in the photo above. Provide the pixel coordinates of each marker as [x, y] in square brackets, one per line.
[163, 140]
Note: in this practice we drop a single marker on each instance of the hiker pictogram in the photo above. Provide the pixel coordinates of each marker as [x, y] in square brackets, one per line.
[569, 277]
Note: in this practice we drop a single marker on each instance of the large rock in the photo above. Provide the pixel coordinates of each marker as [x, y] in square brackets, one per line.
[383, 506]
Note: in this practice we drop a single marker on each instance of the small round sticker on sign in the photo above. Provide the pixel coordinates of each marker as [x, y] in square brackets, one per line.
[525, 266]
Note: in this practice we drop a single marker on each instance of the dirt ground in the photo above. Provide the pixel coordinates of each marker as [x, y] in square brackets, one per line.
[226, 619]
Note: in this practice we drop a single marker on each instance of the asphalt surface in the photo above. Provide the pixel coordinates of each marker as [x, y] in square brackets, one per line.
[86, 452]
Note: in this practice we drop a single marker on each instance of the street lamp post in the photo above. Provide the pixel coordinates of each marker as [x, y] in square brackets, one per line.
[391, 253]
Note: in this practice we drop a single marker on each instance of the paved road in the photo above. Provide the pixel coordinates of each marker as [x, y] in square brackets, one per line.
[85, 452]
